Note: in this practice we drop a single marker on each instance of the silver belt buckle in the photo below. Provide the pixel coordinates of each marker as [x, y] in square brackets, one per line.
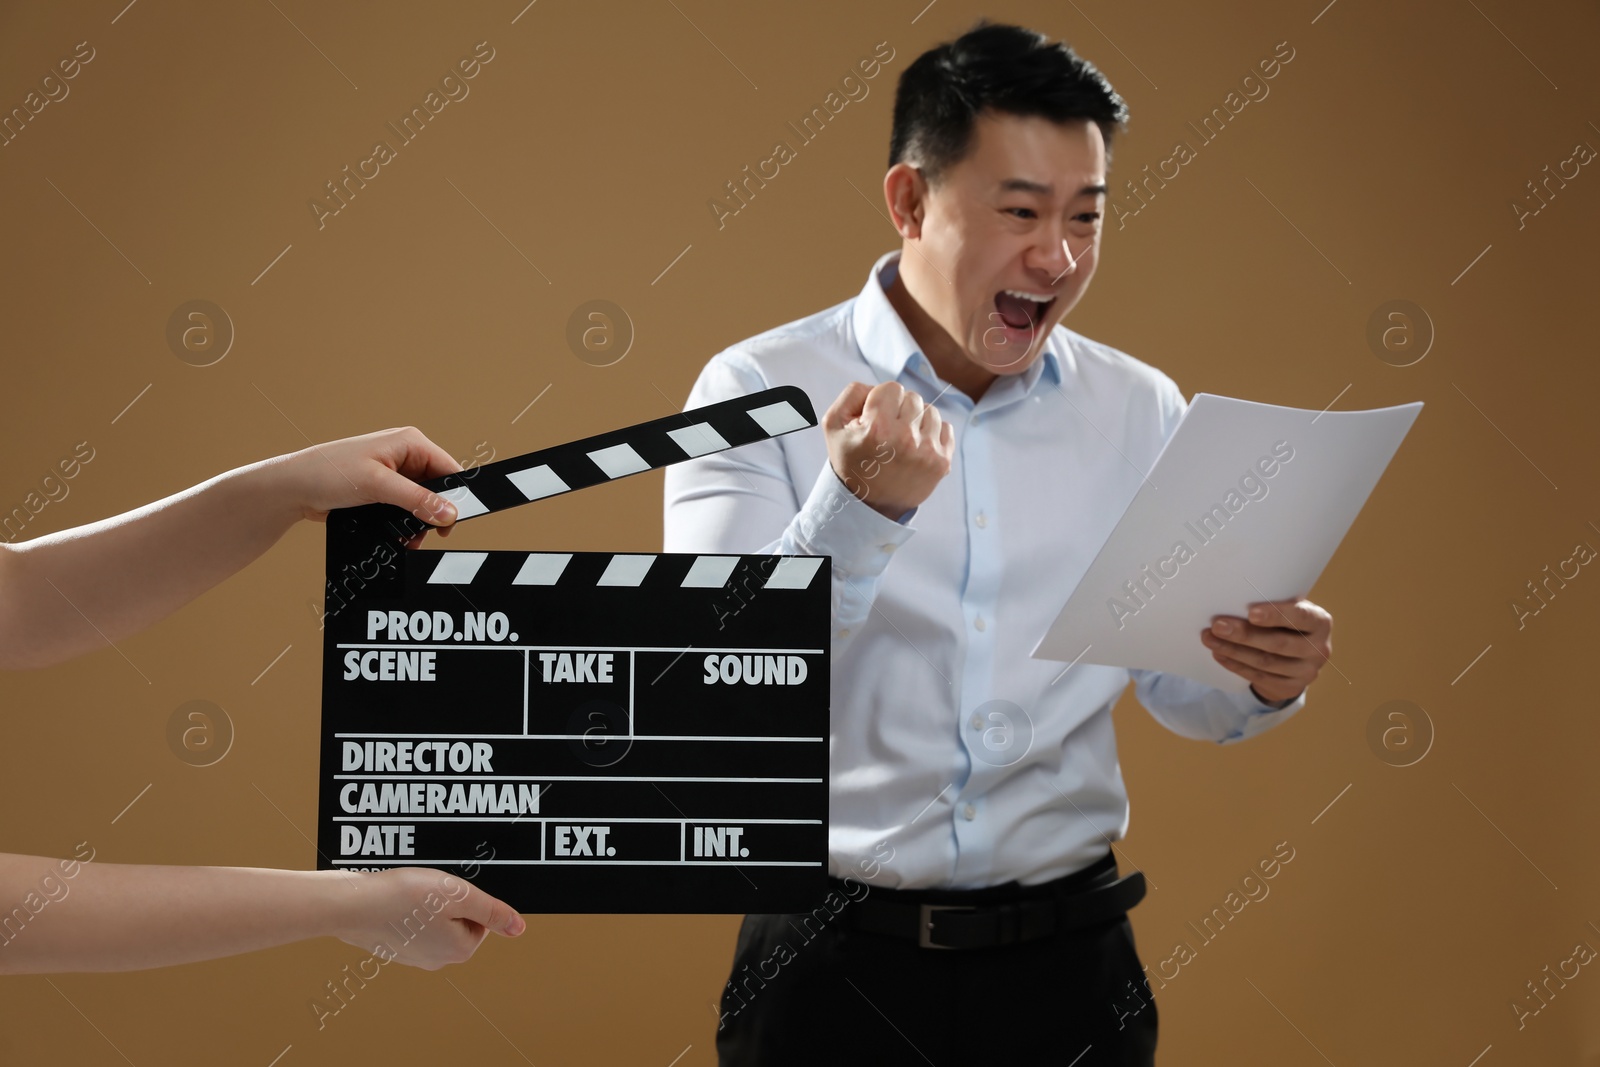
[925, 925]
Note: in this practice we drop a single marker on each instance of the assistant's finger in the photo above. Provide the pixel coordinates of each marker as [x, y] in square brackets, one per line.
[491, 913]
[419, 458]
[391, 487]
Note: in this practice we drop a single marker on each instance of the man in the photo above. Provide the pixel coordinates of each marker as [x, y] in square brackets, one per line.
[961, 497]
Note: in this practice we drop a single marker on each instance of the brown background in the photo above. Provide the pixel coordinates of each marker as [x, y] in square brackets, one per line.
[1417, 905]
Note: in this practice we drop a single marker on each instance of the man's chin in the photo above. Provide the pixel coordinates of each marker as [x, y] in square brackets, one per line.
[1003, 350]
[1012, 359]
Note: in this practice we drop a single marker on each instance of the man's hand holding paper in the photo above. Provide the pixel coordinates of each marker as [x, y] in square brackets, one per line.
[1278, 649]
[1200, 540]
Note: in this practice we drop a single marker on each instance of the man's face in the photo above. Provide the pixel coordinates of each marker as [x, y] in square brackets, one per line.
[1017, 218]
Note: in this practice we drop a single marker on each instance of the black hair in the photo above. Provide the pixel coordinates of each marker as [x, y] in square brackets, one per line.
[999, 68]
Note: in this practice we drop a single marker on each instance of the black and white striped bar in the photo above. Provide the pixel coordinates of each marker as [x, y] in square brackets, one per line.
[486, 569]
[619, 453]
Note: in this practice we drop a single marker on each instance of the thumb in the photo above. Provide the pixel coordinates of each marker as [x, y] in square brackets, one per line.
[848, 406]
[492, 913]
[512, 924]
[391, 487]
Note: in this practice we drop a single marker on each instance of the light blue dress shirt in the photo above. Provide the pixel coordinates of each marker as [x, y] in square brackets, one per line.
[957, 760]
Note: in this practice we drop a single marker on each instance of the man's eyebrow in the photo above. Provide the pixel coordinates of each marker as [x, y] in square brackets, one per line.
[1025, 185]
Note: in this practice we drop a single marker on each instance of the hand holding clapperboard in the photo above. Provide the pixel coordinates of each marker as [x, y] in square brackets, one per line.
[580, 731]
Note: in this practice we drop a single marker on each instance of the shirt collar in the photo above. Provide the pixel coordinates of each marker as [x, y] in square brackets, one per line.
[888, 347]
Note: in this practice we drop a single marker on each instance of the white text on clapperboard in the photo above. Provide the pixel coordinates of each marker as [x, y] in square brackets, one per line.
[435, 798]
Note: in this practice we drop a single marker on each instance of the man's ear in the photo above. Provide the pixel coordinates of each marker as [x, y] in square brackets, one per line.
[906, 193]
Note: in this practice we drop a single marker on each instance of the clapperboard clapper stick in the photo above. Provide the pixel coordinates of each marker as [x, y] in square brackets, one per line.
[580, 731]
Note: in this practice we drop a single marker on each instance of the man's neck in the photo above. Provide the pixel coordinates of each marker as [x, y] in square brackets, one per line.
[948, 360]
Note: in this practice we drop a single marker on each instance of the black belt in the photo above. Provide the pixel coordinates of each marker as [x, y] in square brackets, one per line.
[940, 918]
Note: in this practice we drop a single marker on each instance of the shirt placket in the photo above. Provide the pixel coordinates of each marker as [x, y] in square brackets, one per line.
[973, 826]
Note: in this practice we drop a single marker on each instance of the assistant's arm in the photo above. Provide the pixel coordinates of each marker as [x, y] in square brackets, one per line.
[69, 592]
[77, 915]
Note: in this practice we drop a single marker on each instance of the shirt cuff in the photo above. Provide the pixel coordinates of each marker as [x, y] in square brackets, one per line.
[835, 522]
[1260, 716]
[1263, 706]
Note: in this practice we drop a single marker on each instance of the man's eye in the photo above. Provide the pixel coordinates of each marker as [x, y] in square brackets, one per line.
[1090, 216]
[1025, 212]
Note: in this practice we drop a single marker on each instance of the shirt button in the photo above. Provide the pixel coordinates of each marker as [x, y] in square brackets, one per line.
[844, 633]
[975, 418]
[888, 548]
[969, 813]
[981, 520]
[977, 721]
[979, 624]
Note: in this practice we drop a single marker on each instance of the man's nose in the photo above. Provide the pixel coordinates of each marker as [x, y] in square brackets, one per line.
[1061, 262]
[1050, 253]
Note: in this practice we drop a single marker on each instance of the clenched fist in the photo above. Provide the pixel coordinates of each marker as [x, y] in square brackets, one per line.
[887, 446]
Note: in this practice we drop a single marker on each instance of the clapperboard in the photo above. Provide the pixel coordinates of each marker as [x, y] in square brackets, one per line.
[580, 731]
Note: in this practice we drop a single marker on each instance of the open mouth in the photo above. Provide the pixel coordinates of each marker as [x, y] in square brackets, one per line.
[1019, 312]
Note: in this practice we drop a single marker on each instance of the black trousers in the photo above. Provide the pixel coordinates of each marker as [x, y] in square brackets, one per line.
[806, 992]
